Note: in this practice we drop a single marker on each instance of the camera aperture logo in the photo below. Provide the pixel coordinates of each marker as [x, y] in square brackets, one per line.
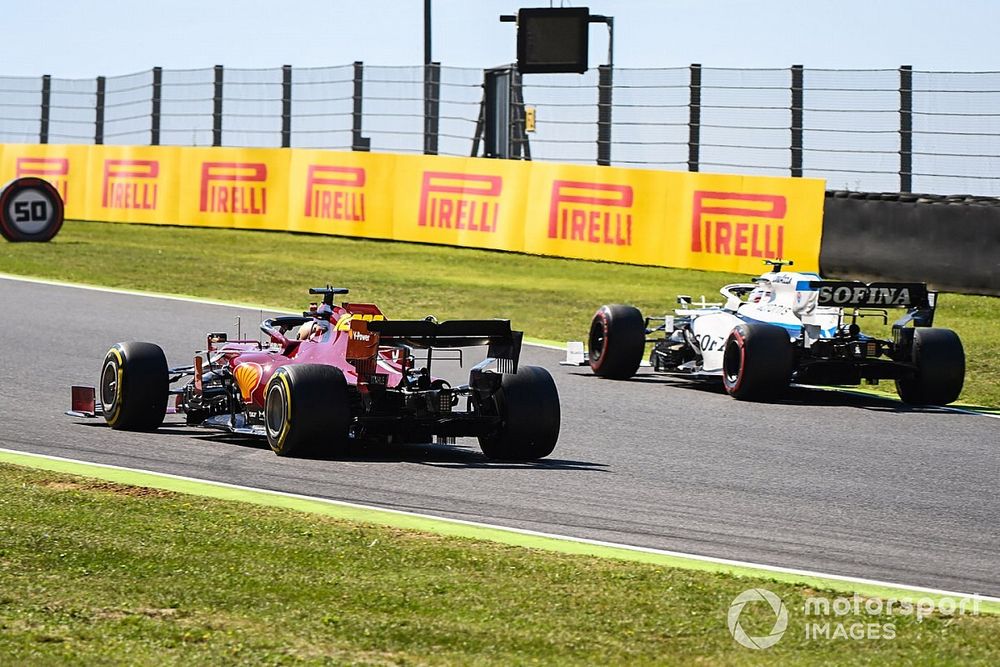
[851, 618]
[780, 618]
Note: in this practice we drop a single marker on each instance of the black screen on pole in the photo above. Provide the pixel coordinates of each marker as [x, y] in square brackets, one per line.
[552, 40]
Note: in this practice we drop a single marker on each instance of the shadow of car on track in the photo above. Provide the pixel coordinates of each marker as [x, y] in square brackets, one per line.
[430, 454]
[440, 456]
[796, 395]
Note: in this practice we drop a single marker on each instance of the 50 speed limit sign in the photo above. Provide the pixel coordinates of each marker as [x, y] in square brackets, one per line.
[30, 210]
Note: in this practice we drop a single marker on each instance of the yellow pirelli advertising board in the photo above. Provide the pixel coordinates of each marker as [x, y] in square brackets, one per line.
[65, 167]
[467, 202]
[347, 194]
[717, 222]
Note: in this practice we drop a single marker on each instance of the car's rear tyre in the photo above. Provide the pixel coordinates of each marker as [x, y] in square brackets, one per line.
[306, 409]
[757, 362]
[134, 386]
[617, 341]
[528, 406]
[939, 361]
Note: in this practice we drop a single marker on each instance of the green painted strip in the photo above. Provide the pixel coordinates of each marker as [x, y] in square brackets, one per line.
[456, 529]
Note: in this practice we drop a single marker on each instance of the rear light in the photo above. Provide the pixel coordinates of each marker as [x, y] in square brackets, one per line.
[444, 401]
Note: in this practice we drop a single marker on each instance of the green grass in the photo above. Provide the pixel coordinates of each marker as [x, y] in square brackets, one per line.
[93, 572]
[548, 298]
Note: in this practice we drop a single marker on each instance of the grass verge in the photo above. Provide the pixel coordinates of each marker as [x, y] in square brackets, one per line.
[100, 572]
[548, 298]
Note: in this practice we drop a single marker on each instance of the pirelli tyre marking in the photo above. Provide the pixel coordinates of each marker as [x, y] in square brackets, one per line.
[111, 385]
[30, 210]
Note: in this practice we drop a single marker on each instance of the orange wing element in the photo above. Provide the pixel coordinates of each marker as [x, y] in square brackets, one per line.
[362, 344]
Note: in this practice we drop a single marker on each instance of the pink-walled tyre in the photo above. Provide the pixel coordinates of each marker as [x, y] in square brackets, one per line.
[757, 362]
[617, 341]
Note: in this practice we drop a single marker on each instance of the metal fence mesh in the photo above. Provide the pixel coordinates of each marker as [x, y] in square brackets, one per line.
[853, 126]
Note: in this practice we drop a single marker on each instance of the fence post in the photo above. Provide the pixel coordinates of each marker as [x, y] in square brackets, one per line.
[217, 108]
[358, 142]
[694, 118]
[432, 106]
[906, 128]
[99, 120]
[797, 80]
[286, 106]
[43, 129]
[154, 124]
[520, 148]
[605, 83]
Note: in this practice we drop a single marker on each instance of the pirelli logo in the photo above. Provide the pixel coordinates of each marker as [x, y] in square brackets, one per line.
[738, 224]
[55, 170]
[130, 184]
[599, 213]
[460, 201]
[233, 187]
[335, 193]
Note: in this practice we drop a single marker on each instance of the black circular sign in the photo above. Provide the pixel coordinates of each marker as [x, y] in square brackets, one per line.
[30, 210]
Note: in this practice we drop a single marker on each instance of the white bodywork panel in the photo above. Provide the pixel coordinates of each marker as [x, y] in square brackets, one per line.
[710, 329]
[783, 298]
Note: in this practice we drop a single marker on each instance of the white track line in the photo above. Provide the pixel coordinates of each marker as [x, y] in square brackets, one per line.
[533, 533]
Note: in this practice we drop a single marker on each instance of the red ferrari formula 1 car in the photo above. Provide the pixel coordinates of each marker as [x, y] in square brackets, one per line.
[338, 373]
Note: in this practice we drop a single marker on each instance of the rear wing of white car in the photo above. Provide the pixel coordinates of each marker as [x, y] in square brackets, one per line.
[915, 297]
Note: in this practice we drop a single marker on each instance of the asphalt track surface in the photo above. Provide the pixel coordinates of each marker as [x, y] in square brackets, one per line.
[823, 481]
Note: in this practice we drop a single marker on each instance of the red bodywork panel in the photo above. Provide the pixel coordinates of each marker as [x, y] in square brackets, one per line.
[344, 342]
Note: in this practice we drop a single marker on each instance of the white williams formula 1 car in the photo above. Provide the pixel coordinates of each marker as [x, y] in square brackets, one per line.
[789, 327]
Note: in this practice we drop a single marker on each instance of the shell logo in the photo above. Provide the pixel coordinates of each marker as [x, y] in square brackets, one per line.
[247, 376]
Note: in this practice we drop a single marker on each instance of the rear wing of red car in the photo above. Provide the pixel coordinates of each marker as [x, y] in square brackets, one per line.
[504, 344]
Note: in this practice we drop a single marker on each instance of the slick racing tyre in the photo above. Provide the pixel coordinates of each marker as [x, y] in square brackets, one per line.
[134, 387]
[528, 406]
[30, 210]
[757, 362]
[939, 368]
[306, 409]
[617, 341]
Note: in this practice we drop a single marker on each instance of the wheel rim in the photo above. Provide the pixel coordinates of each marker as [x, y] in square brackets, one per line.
[109, 386]
[597, 339]
[274, 410]
[731, 362]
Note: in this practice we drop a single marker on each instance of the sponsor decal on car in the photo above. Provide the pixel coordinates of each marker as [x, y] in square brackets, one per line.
[247, 376]
[848, 294]
[591, 212]
[344, 323]
[460, 201]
